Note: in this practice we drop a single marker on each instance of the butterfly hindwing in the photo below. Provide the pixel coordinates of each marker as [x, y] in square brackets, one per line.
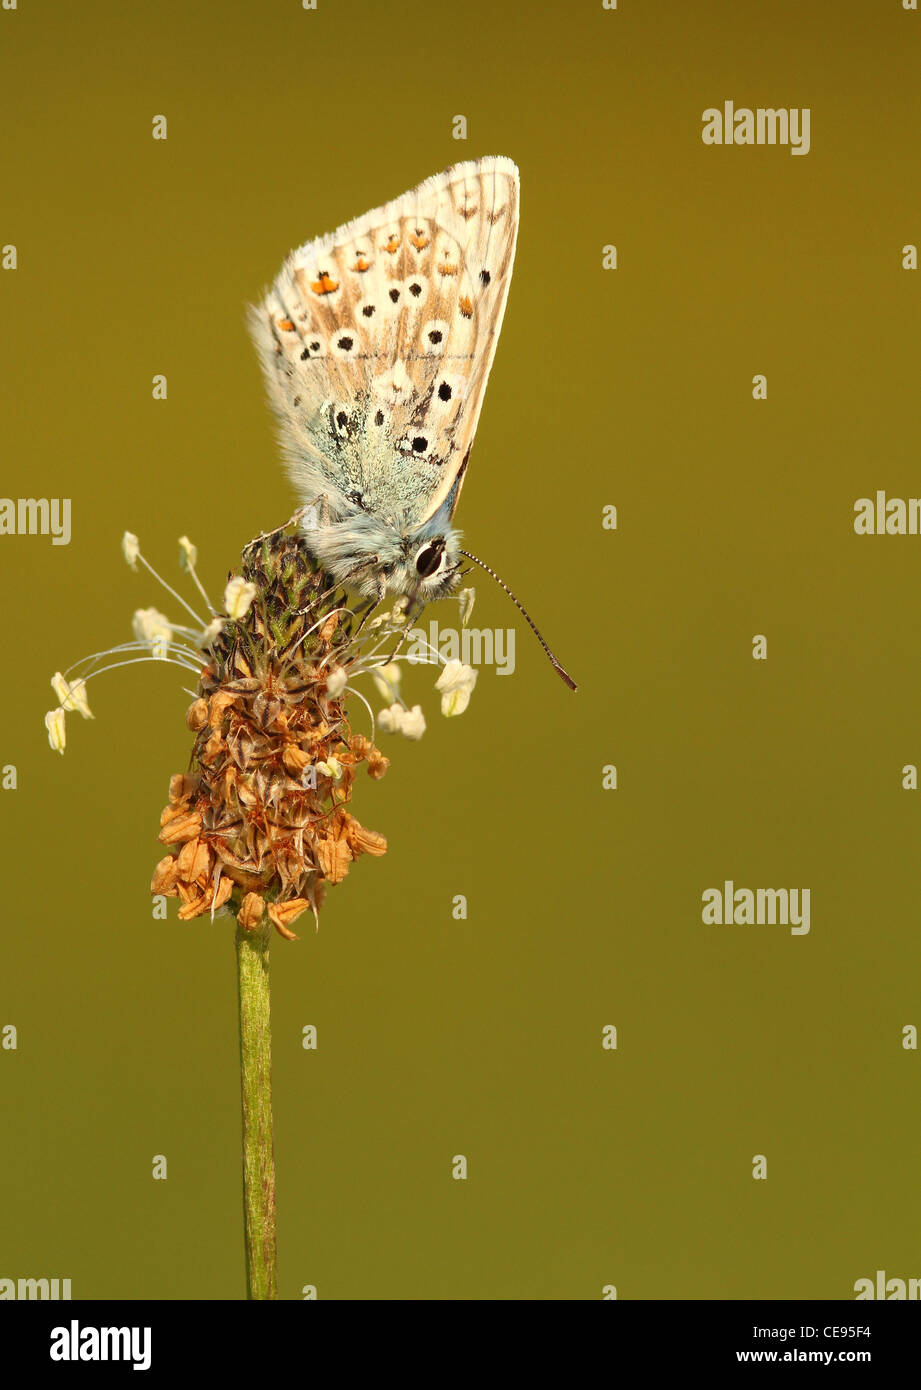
[377, 341]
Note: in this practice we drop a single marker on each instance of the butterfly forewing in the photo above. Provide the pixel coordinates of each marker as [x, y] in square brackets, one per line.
[377, 341]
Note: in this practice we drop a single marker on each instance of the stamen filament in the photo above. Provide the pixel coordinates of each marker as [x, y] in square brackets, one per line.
[177, 597]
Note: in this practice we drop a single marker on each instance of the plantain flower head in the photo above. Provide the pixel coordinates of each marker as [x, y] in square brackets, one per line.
[260, 825]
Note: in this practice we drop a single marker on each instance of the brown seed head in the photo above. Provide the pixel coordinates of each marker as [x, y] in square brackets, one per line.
[260, 820]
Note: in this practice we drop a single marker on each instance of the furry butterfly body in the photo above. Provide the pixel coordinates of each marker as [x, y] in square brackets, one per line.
[376, 343]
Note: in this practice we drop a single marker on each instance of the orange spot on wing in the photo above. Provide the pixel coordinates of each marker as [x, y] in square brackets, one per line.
[392, 245]
[446, 268]
[286, 324]
[466, 306]
[361, 264]
[419, 240]
[325, 285]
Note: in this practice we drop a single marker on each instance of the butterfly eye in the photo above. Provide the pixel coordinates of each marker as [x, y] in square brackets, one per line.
[429, 558]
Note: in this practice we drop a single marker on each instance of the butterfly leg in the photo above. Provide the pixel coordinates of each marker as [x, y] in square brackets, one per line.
[363, 612]
[315, 516]
[316, 511]
[367, 607]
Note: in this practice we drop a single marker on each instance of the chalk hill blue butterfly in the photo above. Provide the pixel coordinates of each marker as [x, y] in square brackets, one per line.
[376, 342]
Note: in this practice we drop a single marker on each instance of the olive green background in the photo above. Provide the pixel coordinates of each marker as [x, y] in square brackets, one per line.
[630, 387]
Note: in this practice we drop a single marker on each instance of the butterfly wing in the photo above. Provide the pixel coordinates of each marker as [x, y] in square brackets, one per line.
[377, 342]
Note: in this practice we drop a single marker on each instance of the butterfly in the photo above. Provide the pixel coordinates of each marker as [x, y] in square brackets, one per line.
[376, 343]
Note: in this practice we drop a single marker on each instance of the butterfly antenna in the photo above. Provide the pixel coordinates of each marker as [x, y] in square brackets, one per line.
[560, 670]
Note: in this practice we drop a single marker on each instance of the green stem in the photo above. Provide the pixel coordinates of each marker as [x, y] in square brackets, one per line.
[256, 1083]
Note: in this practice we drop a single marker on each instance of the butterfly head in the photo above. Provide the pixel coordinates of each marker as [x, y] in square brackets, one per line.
[430, 560]
[427, 570]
